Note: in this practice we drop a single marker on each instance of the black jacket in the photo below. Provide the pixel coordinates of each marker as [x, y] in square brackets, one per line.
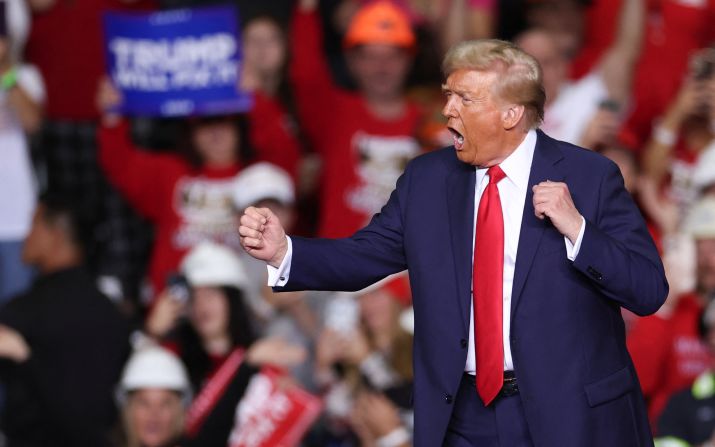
[63, 395]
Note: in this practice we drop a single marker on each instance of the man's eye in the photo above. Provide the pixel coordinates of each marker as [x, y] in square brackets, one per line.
[466, 100]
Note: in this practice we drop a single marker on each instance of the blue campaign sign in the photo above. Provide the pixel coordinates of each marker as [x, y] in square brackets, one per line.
[176, 63]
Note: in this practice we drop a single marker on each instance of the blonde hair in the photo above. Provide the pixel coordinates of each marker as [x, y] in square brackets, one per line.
[520, 79]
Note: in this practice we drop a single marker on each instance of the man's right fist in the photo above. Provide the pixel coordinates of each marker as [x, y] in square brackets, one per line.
[263, 236]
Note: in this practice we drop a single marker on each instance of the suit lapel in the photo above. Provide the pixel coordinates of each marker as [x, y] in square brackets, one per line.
[543, 168]
[460, 204]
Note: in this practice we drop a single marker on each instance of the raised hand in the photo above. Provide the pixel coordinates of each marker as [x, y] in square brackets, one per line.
[553, 200]
[164, 315]
[108, 99]
[263, 236]
[13, 345]
[601, 130]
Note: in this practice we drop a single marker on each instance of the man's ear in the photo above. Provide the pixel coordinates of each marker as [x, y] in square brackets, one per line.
[512, 115]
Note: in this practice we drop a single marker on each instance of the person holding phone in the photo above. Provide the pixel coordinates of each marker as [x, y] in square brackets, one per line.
[364, 363]
[683, 132]
[213, 335]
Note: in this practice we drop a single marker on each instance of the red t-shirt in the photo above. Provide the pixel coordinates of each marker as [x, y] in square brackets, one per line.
[187, 205]
[274, 134]
[674, 31]
[668, 353]
[363, 155]
[66, 44]
[600, 26]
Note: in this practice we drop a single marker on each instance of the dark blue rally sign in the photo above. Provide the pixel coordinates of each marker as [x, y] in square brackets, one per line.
[183, 62]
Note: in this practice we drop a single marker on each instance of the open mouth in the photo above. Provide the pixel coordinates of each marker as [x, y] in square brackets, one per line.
[457, 137]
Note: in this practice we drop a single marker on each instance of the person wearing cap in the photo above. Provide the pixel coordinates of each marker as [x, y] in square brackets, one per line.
[688, 419]
[210, 328]
[521, 251]
[266, 185]
[366, 137]
[292, 315]
[153, 396]
[666, 348]
[187, 195]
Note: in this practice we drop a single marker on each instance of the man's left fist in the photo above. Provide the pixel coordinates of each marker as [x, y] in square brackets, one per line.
[553, 200]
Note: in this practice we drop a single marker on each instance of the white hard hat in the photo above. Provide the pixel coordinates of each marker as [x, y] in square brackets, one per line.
[704, 171]
[700, 221]
[211, 264]
[152, 366]
[262, 181]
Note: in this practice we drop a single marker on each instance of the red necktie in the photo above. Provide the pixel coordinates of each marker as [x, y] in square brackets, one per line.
[487, 290]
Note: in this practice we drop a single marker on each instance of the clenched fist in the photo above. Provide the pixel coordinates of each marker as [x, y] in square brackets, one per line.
[553, 200]
[263, 236]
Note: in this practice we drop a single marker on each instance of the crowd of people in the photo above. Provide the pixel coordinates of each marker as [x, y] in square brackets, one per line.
[131, 316]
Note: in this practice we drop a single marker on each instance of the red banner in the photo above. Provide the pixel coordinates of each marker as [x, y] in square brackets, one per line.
[273, 413]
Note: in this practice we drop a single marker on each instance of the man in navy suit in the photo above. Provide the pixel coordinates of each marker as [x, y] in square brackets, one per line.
[521, 251]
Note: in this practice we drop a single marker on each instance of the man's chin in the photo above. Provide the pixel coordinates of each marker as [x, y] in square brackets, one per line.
[464, 156]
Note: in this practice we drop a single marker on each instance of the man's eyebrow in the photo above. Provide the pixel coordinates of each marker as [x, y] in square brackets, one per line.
[446, 88]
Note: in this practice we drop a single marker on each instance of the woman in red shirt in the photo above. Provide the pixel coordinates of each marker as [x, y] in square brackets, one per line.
[188, 198]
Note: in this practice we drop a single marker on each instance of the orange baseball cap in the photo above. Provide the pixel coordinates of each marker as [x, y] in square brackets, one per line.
[380, 22]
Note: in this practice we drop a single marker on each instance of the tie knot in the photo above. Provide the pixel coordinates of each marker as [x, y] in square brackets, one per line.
[495, 174]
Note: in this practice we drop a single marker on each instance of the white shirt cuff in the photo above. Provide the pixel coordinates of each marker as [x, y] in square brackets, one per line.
[278, 277]
[573, 249]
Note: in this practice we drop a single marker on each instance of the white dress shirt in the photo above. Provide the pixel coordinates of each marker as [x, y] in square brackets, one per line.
[512, 194]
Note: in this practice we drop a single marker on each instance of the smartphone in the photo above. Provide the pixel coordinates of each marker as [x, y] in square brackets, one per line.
[178, 287]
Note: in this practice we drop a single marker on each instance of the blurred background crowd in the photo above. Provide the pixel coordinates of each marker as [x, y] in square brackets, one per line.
[129, 315]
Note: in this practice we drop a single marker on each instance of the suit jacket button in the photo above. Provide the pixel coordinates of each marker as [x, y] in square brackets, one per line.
[448, 398]
[463, 343]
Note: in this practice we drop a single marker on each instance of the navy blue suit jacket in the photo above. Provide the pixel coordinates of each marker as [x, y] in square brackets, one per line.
[576, 379]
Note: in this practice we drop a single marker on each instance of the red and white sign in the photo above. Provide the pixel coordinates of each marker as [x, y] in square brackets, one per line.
[273, 413]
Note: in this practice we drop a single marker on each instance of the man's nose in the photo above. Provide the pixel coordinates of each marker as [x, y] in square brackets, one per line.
[449, 111]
